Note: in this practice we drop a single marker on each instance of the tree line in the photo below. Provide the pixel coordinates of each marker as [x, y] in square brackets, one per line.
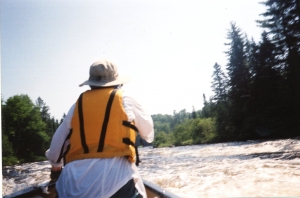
[256, 94]
[27, 129]
[260, 93]
[184, 128]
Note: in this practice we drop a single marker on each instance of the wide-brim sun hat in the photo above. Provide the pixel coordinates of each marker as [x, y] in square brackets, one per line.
[104, 73]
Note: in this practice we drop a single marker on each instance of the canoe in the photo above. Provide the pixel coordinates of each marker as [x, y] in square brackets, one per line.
[153, 191]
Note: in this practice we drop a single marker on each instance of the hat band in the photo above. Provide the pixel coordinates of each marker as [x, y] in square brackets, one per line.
[102, 79]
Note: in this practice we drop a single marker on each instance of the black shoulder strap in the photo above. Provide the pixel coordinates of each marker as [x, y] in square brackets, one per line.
[81, 123]
[106, 119]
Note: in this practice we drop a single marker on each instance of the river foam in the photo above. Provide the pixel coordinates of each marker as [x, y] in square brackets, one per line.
[237, 169]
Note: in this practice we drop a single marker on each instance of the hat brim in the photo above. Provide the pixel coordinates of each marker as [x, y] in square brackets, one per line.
[120, 80]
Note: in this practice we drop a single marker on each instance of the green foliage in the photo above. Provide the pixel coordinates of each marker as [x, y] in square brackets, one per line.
[9, 161]
[160, 139]
[162, 126]
[208, 109]
[188, 130]
[24, 127]
[195, 131]
[26, 130]
[183, 129]
[8, 157]
[182, 134]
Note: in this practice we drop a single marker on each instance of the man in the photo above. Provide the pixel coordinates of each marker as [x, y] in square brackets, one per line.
[95, 142]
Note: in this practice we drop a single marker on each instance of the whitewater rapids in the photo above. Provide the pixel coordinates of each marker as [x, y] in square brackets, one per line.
[237, 169]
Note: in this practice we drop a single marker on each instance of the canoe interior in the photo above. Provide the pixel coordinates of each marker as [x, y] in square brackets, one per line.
[153, 191]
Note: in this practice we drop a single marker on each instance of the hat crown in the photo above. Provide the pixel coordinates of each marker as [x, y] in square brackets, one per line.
[103, 71]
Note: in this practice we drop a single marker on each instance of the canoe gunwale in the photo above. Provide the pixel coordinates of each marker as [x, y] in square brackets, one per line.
[162, 193]
[151, 189]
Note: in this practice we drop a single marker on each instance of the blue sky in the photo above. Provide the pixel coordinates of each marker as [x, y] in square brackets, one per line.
[168, 48]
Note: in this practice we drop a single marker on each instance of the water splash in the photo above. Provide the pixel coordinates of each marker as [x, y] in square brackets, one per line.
[236, 169]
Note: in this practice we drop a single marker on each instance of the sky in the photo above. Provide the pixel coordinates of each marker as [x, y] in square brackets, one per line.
[167, 47]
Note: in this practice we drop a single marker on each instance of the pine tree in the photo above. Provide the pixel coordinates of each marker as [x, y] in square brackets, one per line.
[237, 68]
[194, 113]
[62, 119]
[219, 83]
[266, 80]
[238, 83]
[282, 20]
[219, 86]
[51, 123]
[44, 109]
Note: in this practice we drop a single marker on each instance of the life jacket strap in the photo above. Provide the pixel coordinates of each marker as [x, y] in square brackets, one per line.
[106, 119]
[129, 142]
[128, 124]
[62, 152]
[81, 124]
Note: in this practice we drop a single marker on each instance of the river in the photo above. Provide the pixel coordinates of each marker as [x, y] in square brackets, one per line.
[236, 169]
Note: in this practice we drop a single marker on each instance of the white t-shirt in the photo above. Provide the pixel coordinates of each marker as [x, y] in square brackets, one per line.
[99, 177]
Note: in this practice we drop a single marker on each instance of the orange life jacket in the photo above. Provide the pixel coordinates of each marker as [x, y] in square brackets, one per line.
[100, 129]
